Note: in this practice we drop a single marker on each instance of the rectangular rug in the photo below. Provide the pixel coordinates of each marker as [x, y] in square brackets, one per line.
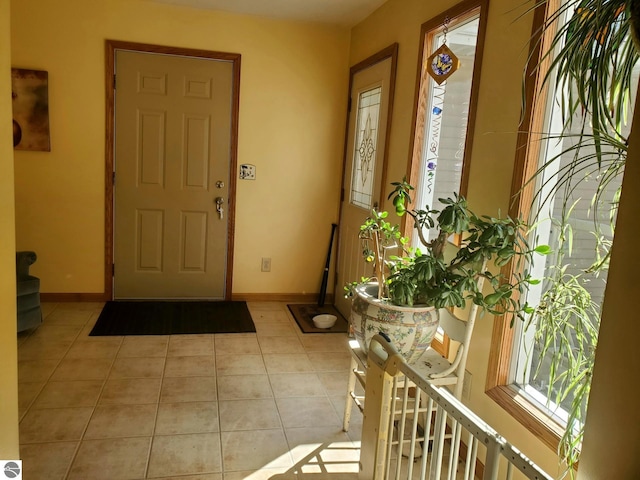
[172, 318]
[304, 313]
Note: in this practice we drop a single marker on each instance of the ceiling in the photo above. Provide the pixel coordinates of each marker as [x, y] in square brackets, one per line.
[338, 12]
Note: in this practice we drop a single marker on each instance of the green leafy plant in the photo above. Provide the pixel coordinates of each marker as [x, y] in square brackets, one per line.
[433, 276]
[591, 59]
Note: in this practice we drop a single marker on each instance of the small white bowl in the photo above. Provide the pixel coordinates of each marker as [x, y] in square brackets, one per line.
[324, 321]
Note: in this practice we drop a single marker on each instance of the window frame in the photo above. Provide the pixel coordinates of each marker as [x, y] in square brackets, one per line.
[457, 14]
[528, 149]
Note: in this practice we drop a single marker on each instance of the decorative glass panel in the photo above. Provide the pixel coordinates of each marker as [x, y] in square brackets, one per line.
[365, 145]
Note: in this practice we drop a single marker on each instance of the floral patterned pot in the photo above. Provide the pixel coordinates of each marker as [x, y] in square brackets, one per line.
[410, 329]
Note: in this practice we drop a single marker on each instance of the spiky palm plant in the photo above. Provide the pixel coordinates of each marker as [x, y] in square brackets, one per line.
[591, 57]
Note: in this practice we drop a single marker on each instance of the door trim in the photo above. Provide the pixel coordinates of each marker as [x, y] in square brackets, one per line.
[110, 48]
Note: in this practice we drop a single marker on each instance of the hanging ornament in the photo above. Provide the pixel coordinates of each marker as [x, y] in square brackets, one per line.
[443, 62]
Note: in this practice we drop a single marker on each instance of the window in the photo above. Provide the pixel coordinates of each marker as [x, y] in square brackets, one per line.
[512, 381]
[445, 112]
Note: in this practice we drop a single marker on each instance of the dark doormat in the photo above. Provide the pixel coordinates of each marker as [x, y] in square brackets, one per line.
[172, 318]
[304, 313]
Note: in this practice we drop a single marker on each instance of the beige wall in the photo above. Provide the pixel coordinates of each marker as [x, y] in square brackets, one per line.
[8, 353]
[493, 148]
[292, 113]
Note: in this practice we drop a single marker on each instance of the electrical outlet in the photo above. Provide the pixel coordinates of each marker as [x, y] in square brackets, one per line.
[266, 264]
[466, 386]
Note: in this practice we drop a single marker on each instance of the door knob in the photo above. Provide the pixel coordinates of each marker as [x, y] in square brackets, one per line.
[219, 209]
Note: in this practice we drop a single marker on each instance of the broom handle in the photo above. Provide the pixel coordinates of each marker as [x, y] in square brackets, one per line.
[325, 274]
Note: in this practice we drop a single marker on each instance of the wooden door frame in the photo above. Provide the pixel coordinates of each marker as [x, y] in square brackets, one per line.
[110, 48]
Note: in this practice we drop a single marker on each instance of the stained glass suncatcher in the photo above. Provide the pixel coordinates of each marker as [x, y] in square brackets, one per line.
[442, 63]
[365, 152]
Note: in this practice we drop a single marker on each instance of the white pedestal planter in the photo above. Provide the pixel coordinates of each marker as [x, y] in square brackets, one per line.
[410, 329]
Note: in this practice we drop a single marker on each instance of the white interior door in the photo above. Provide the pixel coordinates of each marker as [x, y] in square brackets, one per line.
[364, 166]
[172, 161]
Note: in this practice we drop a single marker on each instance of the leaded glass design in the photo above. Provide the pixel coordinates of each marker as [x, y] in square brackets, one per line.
[365, 151]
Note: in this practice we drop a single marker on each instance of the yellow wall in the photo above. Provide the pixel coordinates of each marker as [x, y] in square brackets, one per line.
[8, 352]
[292, 113]
[493, 147]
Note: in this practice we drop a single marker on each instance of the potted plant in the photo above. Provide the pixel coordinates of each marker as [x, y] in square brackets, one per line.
[410, 284]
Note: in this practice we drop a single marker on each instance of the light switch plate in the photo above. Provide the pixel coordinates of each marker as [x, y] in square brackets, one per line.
[247, 172]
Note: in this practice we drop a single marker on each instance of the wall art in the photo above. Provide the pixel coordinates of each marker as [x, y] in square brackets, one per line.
[30, 93]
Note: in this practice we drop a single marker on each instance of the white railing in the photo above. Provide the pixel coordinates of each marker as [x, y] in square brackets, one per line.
[413, 430]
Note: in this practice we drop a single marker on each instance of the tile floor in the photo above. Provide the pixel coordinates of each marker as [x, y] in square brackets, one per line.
[193, 407]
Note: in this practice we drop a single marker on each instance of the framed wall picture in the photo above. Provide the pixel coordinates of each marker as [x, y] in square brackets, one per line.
[30, 93]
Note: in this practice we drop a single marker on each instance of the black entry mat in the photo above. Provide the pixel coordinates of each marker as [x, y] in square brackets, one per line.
[304, 313]
[172, 318]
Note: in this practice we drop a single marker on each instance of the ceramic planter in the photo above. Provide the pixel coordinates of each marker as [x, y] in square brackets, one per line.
[411, 329]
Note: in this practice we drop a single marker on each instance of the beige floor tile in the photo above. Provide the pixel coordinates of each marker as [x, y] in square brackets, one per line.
[132, 391]
[74, 393]
[188, 389]
[23, 336]
[187, 417]
[316, 473]
[336, 362]
[47, 308]
[296, 385]
[70, 316]
[328, 444]
[275, 329]
[237, 391]
[264, 474]
[206, 476]
[266, 305]
[27, 393]
[280, 345]
[307, 412]
[187, 345]
[113, 421]
[87, 369]
[138, 367]
[339, 404]
[257, 449]
[355, 433]
[85, 348]
[108, 459]
[196, 366]
[144, 346]
[335, 383]
[39, 349]
[287, 362]
[48, 461]
[185, 455]
[236, 345]
[57, 332]
[327, 342]
[54, 424]
[261, 316]
[236, 387]
[259, 414]
[240, 365]
[36, 370]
